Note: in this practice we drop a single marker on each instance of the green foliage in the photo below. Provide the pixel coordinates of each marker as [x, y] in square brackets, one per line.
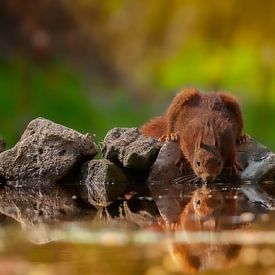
[137, 55]
[58, 93]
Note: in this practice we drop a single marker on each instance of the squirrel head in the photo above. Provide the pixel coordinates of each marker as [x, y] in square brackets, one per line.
[207, 162]
[206, 202]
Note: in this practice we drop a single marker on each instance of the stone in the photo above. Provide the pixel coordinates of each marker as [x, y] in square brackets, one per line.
[258, 162]
[45, 151]
[259, 173]
[102, 182]
[130, 149]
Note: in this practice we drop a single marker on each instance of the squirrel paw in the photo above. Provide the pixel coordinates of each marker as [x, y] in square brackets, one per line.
[243, 139]
[234, 168]
[182, 162]
[169, 137]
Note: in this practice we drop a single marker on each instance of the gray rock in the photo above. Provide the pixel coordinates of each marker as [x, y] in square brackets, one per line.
[102, 182]
[46, 151]
[258, 162]
[258, 174]
[128, 148]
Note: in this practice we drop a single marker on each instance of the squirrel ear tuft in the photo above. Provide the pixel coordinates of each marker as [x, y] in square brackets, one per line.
[213, 133]
[199, 141]
[217, 142]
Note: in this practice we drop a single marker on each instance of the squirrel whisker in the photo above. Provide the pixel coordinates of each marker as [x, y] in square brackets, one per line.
[185, 178]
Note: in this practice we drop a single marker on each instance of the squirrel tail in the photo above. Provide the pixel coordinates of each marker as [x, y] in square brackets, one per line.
[156, 127]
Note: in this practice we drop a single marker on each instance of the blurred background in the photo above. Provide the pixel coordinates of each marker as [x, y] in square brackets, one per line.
[97, 64]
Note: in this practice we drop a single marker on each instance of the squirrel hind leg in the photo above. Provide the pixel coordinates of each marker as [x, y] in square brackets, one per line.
[184, 97]
[233, 106]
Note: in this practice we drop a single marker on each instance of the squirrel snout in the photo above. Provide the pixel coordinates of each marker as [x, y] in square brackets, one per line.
[208, 178]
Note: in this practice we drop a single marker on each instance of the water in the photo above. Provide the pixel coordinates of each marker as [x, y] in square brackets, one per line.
[225, 228]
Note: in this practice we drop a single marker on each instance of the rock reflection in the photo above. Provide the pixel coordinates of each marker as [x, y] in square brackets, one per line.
[39, 204]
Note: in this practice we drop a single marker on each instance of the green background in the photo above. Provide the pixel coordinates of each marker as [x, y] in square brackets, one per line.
[94, 65]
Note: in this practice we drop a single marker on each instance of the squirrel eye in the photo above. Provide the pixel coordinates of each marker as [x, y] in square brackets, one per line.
[198, 202]
[219, 163]
[198, 163]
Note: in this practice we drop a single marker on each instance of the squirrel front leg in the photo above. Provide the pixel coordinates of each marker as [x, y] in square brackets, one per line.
[171, 116]
[170, 134]
[243, 139]
[233, 165]
[182, 163]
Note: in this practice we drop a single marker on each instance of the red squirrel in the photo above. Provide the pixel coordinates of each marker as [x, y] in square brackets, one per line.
[207, 126]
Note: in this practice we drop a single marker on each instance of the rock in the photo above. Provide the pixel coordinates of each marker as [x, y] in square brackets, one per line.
[102, 182]
[259, 173]
[130, 149]
[47, 151]
[258, 162]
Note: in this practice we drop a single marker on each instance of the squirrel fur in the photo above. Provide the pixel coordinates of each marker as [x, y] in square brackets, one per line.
[208, 126]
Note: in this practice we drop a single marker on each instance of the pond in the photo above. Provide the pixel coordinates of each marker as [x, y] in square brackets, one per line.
[218, 228]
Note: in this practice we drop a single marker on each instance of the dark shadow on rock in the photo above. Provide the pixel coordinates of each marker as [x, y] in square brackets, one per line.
[102, 182]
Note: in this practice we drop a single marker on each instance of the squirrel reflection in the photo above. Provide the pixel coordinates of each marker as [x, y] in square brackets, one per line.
[202, 212]
[212, 211]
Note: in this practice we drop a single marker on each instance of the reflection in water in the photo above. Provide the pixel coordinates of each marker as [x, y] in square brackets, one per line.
[208, 210]
[212, 209]
[203, 210]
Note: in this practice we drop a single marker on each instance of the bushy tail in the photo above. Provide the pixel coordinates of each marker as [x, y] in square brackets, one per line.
[156, 127]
